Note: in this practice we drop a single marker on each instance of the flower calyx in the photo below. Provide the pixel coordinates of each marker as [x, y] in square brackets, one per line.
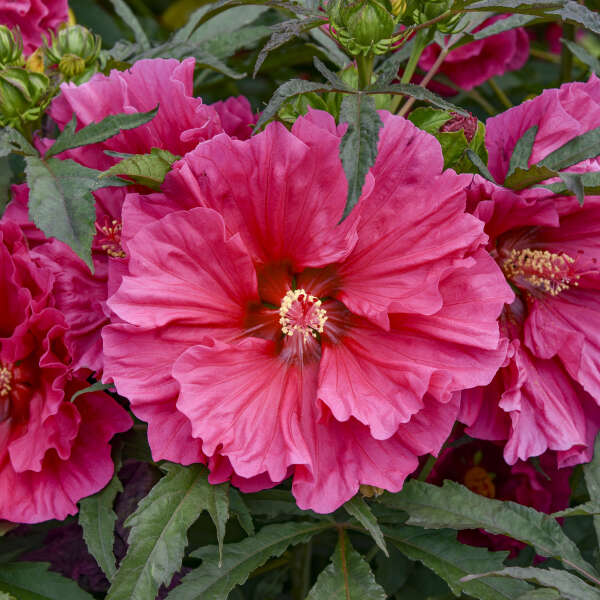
[11, 48]
[23, 96]
[75, 51]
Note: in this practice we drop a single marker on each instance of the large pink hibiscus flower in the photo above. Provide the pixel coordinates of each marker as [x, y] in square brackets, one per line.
[260, 332]
[182, 121]
[34, 18]
[474, 63]
[546, 395]
[53, 450]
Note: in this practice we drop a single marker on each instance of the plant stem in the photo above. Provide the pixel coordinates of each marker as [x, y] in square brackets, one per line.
[427, 467]
[300, 570]
[411, 66]
[428, 77]
[566, 58]
[504, 99]
[543, 55]
[365, 70]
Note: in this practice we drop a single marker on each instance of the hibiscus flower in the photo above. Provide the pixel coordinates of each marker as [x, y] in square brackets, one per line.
[54, 447]
[259, 331]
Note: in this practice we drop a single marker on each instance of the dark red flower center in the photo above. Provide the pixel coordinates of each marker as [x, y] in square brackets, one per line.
[109, 239]
[15, 391]
[478, 480]
[540, 270]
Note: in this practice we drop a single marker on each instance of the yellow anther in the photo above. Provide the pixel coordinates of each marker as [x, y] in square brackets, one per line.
[5, 381]
[548, 271]
[301, 312]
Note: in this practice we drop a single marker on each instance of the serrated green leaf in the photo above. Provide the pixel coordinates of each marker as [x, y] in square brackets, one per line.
[591, 472]
[358, 148]
[418, 93]
[132, 22]
[330, 48]
[583, 55]
[573, 12]
[227, 23]
[33, 581]
[330, 75]
[211, 582]
[97, 519]
[574, 183]
[569, 586]
[359, 509]
[511, 22]
[145, 169]
[587, 509]
[13, 141]
[218, 508]
[291, 88]
[582, 147]
[522, 151]
[590, 181]
[521, 179]
[441, 552]
[348, 577]
[480, 165]
[225, 46]
[97, 132]
[388, 70]
[95, 387]
[61, 203]
[240, 511]
[456, 507]
[158, 535]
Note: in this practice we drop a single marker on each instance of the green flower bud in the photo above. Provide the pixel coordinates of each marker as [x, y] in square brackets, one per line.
[363, 26]
[23, 96]
[74, 49]
[426, 10]
[11, 48]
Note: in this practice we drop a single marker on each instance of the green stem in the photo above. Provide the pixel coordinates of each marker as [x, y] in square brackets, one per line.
[427, 467]
[300, 570]
[543, 55]
[566, 58]
[500, 93]
[364, 65]
[411, 66]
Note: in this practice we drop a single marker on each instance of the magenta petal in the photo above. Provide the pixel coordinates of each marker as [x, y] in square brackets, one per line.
[227, 390]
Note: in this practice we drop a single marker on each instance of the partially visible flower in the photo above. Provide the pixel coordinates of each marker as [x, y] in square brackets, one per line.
[182, 121]
[258, 331]
[34, 18]
[54, 449]
[474, 63]
[480, 466]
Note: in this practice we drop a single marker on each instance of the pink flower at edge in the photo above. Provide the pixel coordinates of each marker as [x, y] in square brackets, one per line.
[474, 63]
[258, 331]
[34, 18]
[53, 451]
[181, 123]
[480, 466]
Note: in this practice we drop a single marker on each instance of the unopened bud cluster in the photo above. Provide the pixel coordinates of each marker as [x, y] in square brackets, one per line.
[11, 48]
[23, 96]
[75, 51]
[423, 11]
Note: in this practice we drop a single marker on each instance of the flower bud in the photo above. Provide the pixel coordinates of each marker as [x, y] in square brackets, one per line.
[74, 49]
[370, 491]
[363, 26]
[11, 48]
[426, 10]
[22, 95]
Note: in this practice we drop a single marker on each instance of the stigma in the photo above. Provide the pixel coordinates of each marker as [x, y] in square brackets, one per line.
[5, 381]
[301, 313]
[478, 480]
[110, 241]
[546, 271]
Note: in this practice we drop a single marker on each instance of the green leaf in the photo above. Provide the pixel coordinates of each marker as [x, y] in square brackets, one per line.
[290, 89]
[348, 577]
[284, 32]
[574, 183]
[211, 582]
[454, 145]
[444, 555]
[418, 93]
[456, 507]
[573, 12]
[61, 203]
[521, 179]
[582, 147]
[218, 509]
[5, 596]
[480, 165]
[273, 503]
[240, 511]
[359, 509]
[507, 24]
[330, 48]
[226, 24]
[95, 387]
[97, 519]
[145, 169]
[131, 21]
[388, 70]
[541, 594]
[583, 55]
[331, 76]
[591, 472]
[429, 119]
[590, 181]
[569, 586]
[98, 132]
[245, 38]
[13, 141]
[33, 581]
[358, 148]
[588, 509]
[522, 151]
[158, 534]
